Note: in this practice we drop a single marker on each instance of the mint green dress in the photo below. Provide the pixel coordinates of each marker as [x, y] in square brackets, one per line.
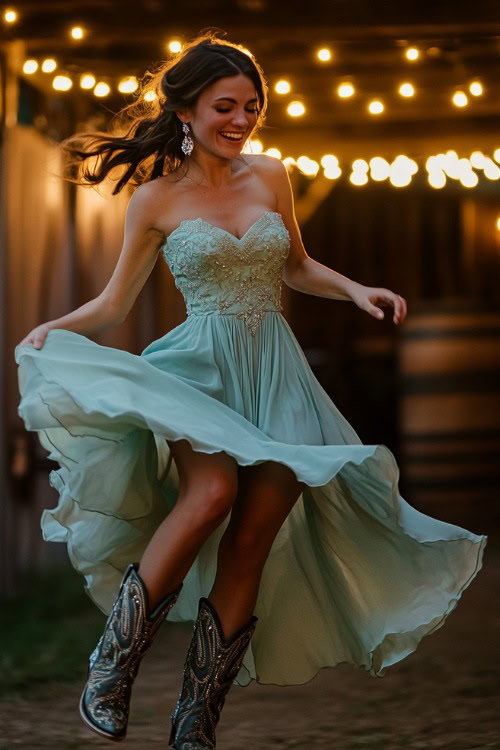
[355, 573]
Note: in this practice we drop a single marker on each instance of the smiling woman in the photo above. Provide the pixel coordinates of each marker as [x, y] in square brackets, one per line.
[280, 532]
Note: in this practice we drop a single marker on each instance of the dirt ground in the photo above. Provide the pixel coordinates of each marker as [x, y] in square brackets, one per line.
[444, 695]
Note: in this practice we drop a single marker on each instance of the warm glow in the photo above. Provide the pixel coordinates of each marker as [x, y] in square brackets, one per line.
[358, 178]
[460, 99]
[498, 223]
[295, 109]
[469, 179]
[10, 16]
[77, 32]
[307, 166]
[491, 170]
[149, 96]
[87, 81]
[412, 53]
[406, 89]
[496, 155]
[360, 165]
[476, 88]
[101, 89]
[62, 83]
[345, 90]
[375, 107]
[437, 178]
[379, 169]
[324, 54]
[477, 159]
[30, 66]
[49, 65]
[329, 160]
[289, 162]
[128, 85]
[275, 152]
[401, 171]
[332, 172]
[282, 87]
[175, 46]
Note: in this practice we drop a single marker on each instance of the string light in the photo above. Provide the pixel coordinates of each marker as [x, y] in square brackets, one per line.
[274, 152]
[460, 99]
[101, 89]
[282, 87]
[62, 83]
[175, 45]
[10, 16]
[406, 89]
[30, 67]
[128, 85]
[77, 32]
[412, 53]
[49, 65]
[476, 88]
[296, 109]
[375, 107]
[345, 90]
[87, 81]
[324, 54]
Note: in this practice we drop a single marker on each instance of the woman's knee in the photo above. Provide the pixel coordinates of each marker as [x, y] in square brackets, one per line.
[211, 496]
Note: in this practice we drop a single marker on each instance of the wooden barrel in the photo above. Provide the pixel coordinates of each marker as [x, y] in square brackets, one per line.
[449, 407]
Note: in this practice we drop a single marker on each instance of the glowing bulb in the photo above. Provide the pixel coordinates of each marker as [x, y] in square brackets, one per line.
[49, 65]
[412, 53]
[345, 90]
[62, 83]
[77, 32]
[360, 165]
[282, 87]
[491, 171]
[329, 160]
[469, 179]
[289, 162]
[128, 85]
[496, 155]
[498, 223]
[358, 178]
[10, 16]
[406, 89]
[255, 146]
[175, 45]
[101, 89]
[324, 54]
[375, 107]
[275, 152]
[379, 169]
[332, 172]
[437, 178]
[476, 88]
[87, 81]
[296, 109]
[30, 66]
[460, 99]
[477, 159]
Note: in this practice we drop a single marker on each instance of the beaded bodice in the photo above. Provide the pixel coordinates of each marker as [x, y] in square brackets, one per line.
[218, 273]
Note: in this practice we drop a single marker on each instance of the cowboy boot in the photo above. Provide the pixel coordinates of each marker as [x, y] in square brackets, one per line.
[113, 665]
[209, 670]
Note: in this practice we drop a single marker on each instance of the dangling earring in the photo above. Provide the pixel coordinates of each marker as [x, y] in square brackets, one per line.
[187, 144]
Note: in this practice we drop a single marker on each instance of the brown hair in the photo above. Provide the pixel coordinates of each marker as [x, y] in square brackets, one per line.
[145, 136]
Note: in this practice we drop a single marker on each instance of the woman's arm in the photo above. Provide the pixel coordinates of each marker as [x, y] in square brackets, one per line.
[137, 259]
[304, 274]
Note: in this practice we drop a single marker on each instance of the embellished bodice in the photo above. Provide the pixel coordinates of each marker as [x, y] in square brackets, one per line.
[218, 273]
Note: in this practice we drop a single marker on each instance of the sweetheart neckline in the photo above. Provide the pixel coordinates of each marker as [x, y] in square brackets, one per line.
[214, 226]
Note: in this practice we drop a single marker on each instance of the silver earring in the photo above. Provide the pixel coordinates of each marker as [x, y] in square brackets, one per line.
[187, 144]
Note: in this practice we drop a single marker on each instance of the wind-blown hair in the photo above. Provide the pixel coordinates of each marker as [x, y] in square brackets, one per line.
[144, 138]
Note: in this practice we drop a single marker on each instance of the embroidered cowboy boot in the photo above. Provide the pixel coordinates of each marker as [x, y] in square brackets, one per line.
[113, 665]
[209, 670]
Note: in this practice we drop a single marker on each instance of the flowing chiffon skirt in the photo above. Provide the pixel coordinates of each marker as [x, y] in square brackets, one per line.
[355, 574]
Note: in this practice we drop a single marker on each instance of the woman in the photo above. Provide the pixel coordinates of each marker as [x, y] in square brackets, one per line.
[279, 509]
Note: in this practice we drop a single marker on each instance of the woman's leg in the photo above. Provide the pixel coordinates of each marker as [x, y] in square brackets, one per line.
[208, 486]
[266, 495]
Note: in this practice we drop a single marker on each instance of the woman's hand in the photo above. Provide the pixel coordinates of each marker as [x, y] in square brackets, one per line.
[36, 337]
[368, 297]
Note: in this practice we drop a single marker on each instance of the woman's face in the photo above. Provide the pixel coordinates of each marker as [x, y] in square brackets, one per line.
[228, 106]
